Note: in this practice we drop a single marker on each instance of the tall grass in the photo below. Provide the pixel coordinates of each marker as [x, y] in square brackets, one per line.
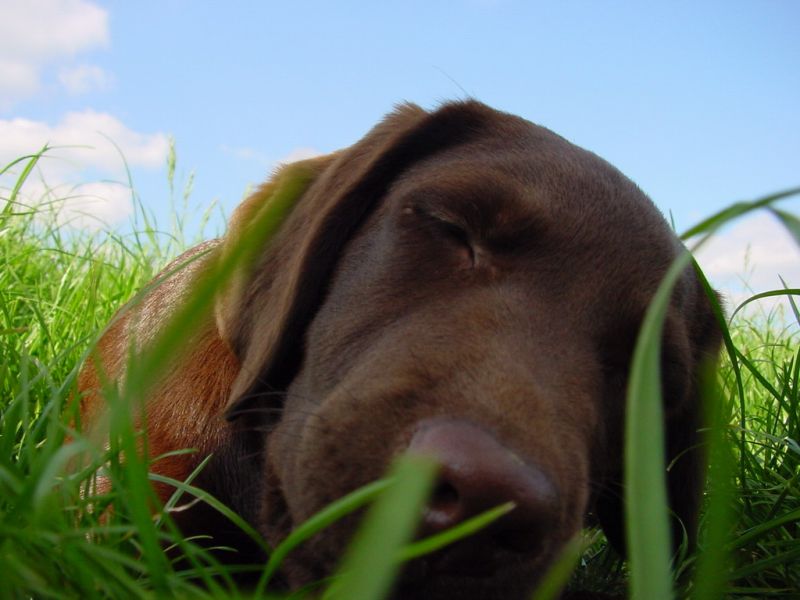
[59, 288]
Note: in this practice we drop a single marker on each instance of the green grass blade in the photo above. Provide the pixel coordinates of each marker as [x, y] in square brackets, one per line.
[734, 211]
[792, 303]
[733, 356]
[648, 533]
[760, 296]
[330, 514]
[760, 530]
[150, 363]
[370, 564]
[558, 575]
[713, 564]
[139, 498]
[214, 503]
[445, 538]
[790, 222]
[33, 159]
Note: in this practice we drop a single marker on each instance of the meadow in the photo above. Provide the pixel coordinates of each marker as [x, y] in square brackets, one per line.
[60, 287]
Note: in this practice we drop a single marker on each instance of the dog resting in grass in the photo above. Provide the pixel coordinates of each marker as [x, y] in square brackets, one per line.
[460, 283]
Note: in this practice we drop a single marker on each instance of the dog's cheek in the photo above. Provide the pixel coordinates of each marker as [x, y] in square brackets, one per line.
[346, 443]
[284, 453]
[579, 483]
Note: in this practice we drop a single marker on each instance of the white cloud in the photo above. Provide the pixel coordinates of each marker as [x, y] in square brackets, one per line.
[299, 154]
[89, 206]
[34, 33]
[748, 258]
[47, 28]
[84, 78]
[16, 80]
[85, 145]
[84, 139]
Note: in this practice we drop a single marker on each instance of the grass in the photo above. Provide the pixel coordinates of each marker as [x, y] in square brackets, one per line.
[59, 288]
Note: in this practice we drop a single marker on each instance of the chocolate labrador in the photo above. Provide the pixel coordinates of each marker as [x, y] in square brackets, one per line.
[460, 283]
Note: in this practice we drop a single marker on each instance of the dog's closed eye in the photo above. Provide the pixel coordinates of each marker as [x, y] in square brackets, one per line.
[461, 242]
[448, 234]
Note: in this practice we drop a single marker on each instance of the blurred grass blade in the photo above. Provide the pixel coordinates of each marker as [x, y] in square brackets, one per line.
[770, 294]
[445, 538]
[759, 530]
[370, 564]
[713, 563]
[715, 221]
[648, 533]
[146, 367]
[560, 571]
[790, 221]
[792, 302]
[330, 514]
[733, 356]
[221, 508]
[139, 497]
[153, 360]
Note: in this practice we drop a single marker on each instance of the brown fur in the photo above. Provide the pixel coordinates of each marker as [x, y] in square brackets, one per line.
[458, 264]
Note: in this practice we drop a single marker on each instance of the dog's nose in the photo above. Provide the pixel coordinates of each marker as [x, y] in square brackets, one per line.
[477, 473]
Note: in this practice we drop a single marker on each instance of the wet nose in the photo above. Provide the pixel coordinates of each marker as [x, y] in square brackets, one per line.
[476, 473]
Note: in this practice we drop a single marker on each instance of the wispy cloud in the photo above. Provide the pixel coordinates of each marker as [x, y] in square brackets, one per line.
[84, 78]
[749, 257]
[302, 153]
[245, 153]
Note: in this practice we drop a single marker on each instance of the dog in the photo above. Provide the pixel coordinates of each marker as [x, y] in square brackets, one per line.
[459, 283]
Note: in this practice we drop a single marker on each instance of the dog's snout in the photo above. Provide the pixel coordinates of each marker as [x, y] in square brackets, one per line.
[477, 473]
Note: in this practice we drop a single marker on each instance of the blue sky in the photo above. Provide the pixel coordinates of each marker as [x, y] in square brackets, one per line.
[695, 101]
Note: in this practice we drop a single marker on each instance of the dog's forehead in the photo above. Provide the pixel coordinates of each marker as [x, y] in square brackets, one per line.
[525, 171]
[521, 180]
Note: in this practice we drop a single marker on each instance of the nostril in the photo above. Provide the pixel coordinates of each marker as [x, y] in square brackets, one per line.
[444, 507]
[444, 497]
[477, 473]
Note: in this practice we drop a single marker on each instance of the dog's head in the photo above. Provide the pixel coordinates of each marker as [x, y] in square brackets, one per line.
[468, 285]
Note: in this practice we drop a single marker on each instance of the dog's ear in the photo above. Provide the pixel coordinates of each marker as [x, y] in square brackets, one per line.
[685, 450]
[264, 313]
[231, 296]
